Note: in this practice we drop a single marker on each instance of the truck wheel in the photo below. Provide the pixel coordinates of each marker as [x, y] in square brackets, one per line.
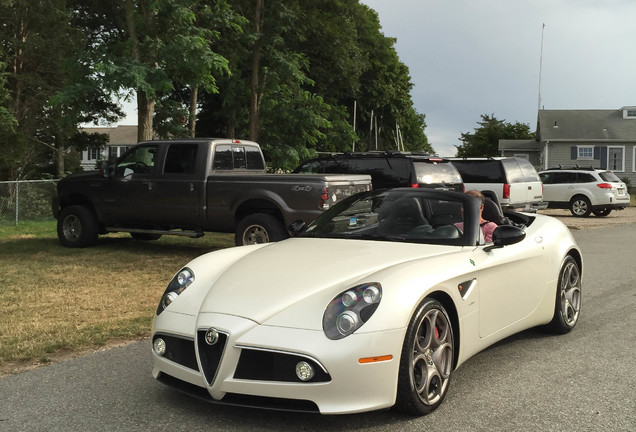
[77, 226]
[259, 228]
[145, 236]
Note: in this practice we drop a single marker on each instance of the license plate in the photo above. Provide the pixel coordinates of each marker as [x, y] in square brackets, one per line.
[621, 192]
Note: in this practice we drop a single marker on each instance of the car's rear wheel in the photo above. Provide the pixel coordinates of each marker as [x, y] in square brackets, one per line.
[77, 226]
[427, 360]
[259, 228]
[568, 297]
[580, 206]
[602, 212]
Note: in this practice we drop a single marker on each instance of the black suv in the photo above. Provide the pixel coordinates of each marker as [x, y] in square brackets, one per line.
[389, 169]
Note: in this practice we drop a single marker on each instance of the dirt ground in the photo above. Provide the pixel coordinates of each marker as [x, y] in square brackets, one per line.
[616, 217]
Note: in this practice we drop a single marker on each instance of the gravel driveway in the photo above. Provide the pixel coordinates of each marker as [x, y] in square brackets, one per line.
[616, 217]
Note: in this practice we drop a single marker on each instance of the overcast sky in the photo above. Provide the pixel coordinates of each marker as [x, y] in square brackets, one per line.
[473, 57]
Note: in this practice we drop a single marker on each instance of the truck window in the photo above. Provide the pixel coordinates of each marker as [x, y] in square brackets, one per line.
[181, 159]
[141, 160]
[229, 157]
[253, 158]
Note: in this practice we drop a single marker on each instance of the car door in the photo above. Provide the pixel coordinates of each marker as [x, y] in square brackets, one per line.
[512, 282]
[179, 191]
[559, 187]
[132, 179]
[534, 188]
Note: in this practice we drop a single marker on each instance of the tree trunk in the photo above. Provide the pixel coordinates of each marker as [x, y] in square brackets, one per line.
[59, 156]
[194, 95]
[145, 111]
[255, 87]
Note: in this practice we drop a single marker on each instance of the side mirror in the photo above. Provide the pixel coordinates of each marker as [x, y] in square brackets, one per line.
[505, 235]
[297, 227]
[107, 169]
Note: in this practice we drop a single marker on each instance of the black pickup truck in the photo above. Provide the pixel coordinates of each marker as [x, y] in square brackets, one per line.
[188, 187]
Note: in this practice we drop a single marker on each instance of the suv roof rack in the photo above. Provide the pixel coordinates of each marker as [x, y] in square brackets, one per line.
[575, 167]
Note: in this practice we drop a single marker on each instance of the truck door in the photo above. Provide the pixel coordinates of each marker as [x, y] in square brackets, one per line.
[133, 178]
[178, 193]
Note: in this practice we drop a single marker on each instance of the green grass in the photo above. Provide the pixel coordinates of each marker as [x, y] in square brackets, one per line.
[54, 298]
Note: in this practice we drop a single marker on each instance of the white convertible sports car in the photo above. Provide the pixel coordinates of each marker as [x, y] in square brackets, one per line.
[373, 305]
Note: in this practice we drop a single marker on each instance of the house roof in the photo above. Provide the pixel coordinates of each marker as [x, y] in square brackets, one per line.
[577, 125]
[525, 145]
[119, 135]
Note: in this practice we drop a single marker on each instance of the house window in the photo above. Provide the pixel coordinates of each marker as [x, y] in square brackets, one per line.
[93, 153]
[585, 152]
[631, 113]
[615, 158]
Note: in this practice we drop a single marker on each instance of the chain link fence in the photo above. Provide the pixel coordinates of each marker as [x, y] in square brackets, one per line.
[26, 200]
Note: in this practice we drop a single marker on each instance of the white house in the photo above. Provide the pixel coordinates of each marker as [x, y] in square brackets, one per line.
[122, 137]
[588, 138]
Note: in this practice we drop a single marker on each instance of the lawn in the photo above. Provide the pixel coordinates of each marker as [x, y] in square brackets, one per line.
[54, 298]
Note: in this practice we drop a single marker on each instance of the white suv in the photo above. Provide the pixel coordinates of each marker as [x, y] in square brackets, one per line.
[584, 190]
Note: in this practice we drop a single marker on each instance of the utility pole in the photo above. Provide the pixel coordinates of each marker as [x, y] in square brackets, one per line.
[540, 68]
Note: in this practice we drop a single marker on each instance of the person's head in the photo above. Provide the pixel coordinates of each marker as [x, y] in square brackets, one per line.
[477, 194]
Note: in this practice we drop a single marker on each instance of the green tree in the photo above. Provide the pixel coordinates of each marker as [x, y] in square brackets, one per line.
[297, 69]
[485, 140]
[46, 97]
[152, 48]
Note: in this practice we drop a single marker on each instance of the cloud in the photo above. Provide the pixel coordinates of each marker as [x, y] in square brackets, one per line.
[468, 58]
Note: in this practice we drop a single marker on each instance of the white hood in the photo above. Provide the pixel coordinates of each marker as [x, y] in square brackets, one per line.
[279, 275]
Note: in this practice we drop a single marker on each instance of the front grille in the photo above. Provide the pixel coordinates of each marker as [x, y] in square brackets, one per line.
[269, 403]
[210, 355]
[179, 350]
[275, 366]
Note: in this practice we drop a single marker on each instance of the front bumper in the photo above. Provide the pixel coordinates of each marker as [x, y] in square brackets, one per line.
[255, 366]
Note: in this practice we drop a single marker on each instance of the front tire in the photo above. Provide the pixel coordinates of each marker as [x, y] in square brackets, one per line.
[602, 212]
[259, 228]
[427, 360]
[580, 206]
[77, 227]
[568, 298]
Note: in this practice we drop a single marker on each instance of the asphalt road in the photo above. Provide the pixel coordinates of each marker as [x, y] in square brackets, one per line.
[583, 381]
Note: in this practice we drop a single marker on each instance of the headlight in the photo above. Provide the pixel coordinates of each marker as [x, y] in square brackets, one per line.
[179, 282]
[350, 310]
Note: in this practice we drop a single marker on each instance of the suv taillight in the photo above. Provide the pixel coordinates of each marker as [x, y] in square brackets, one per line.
[506, 190]
[604, 185]
[415, 185]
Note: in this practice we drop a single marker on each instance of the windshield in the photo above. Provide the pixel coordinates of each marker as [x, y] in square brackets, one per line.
[404, 215]
[432, 173]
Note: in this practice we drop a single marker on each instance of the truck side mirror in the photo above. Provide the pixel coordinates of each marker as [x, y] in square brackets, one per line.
[107, 169]
[297, 227]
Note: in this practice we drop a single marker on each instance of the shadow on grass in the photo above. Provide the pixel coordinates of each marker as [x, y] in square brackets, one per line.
[24, 245]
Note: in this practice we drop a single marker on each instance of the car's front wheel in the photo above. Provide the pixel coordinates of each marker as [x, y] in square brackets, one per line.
[580, 206]
[427, 360]
[602, 212]
[568, 297]
[77, 226]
